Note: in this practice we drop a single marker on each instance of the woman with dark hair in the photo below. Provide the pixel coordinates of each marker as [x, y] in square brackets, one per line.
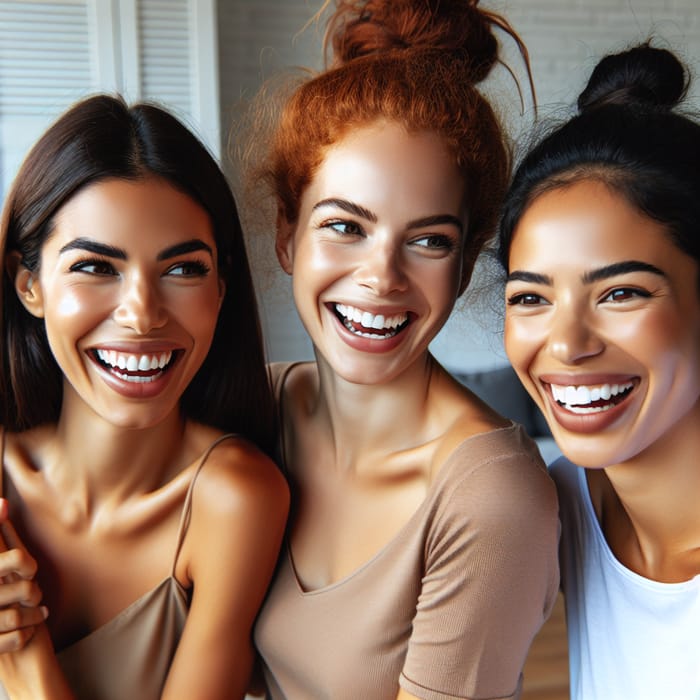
[132, 385]
[421, 556]
[600, 238]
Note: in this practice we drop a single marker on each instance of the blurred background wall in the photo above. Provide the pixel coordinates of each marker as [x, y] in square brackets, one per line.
[204, 58]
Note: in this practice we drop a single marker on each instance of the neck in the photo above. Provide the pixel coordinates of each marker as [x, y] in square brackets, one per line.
[649, 506]
[366, 419]
[100, 463]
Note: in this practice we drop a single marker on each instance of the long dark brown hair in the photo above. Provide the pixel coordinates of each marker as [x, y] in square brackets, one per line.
[98, 138]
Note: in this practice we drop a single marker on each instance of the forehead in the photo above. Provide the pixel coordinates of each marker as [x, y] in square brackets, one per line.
[584, 225]
[133, 211]
[383, 163]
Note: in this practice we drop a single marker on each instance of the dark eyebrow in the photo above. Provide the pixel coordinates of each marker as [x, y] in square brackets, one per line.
[436, 220]
[109, 251]
[94, 247]
[531, 277]
[621, 268]
[349, 207]
[183, 248]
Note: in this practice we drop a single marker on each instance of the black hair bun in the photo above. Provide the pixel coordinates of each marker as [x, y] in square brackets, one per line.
[641, 76]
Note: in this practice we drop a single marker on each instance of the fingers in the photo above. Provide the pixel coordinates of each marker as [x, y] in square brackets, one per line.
[22, 592]
[18, 618]
[18, 562]
[9, 534]
[17, 639]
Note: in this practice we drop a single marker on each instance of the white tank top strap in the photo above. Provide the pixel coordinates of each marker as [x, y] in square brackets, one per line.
[187, 506]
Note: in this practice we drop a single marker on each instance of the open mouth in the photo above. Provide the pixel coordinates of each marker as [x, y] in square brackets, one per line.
[369, 325]
[143, 368]
[585, 399]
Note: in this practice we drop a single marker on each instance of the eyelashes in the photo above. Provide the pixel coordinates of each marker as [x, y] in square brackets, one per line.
[104, 268]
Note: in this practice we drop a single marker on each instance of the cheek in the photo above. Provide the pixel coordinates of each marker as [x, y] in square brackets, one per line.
[198, 312]
[321, 260]
[521, 339]
[72, 310]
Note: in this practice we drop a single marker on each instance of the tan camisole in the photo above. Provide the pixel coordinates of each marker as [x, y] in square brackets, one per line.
[128, 658]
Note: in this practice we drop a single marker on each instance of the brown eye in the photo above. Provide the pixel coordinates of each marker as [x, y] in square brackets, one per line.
[93, 267]
[625, 294]
[527, 299]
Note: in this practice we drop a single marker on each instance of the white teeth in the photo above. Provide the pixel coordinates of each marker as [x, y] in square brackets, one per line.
[136, 378]
[371, 321]
[579, 398]
[378, 321]
[134, 363]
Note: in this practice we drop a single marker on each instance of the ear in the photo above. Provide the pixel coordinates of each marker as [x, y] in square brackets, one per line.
[284, 243]
[27, 286]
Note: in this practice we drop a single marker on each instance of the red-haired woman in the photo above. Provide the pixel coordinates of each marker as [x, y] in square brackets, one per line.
[421, 556]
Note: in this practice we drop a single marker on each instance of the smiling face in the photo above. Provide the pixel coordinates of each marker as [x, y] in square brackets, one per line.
[603, 324]
[129, 293]
[376, 254]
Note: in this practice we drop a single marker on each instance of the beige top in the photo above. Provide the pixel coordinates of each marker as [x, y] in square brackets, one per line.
[128, 658]
[447, 609]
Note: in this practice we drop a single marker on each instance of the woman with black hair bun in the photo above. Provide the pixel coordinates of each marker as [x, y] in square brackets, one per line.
[421, 553]
[600, 238]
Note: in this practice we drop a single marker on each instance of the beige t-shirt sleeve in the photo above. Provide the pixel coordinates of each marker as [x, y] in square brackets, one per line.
[490, 581]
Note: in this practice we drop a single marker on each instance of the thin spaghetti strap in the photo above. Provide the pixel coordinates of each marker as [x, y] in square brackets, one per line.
[187, 507]
[277, 391]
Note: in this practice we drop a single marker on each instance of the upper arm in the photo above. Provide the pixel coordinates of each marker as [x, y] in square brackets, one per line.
[239, 509]
[490, 579]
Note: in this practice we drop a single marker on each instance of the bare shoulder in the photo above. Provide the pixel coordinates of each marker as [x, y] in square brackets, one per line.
[238, 475]
[239, 494]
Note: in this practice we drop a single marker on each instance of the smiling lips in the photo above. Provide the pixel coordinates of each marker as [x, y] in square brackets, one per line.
[586, 399]
[369, 325]
[129, 367]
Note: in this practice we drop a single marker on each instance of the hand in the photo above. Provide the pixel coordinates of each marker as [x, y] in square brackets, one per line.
[20, 613]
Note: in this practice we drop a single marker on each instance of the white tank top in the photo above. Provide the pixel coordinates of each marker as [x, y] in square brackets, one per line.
[629, 636]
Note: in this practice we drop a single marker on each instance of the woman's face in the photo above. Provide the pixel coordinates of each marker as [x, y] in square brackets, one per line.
[603, 324]
[129, 292]
[376, 253]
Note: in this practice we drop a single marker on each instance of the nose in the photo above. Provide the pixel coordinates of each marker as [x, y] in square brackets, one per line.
[573, 337]
[140, 306]
[381, 268]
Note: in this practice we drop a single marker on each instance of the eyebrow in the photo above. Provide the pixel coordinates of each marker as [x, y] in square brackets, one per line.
[602, 273]
[364, 213]
[349, 207]
[110, 251]
[621, 268]
[530, 277]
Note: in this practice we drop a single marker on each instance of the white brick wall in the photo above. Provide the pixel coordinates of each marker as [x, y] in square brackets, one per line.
[565, 39]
